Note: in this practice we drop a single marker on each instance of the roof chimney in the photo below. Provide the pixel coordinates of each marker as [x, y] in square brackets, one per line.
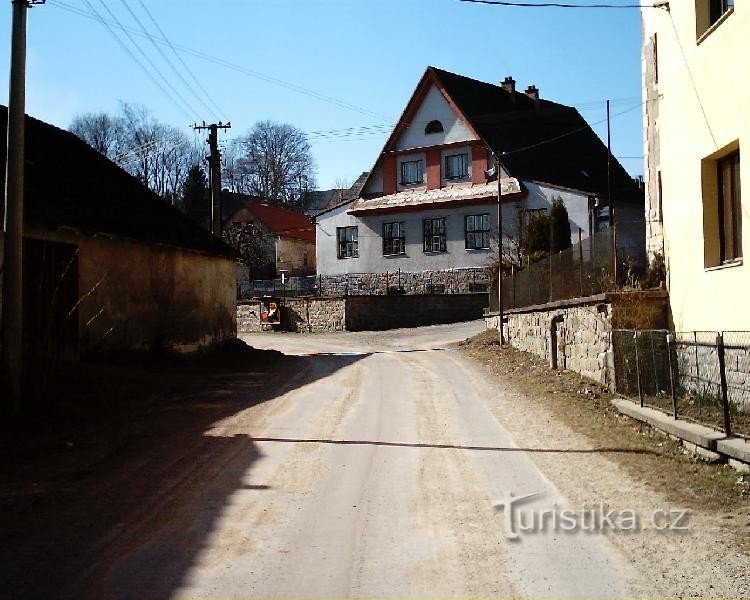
[533, 93]
[509, 85]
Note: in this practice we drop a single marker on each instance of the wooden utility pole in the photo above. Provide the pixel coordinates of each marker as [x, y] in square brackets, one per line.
[12, 318]
[214, 168]
[500, 307]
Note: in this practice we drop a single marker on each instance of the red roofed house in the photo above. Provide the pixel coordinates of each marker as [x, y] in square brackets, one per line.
[274, 239]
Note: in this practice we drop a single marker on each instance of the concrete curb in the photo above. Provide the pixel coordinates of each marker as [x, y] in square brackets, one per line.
[708, 442]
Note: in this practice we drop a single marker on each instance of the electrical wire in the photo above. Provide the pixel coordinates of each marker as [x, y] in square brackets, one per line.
[219, 112]
[229, 65]
[129, 52]
[556, 4]
[148, 60]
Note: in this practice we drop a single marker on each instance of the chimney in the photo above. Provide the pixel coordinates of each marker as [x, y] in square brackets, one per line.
[509, 85]
[533, 93]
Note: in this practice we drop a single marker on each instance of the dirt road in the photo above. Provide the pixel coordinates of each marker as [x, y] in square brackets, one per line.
[376, 468]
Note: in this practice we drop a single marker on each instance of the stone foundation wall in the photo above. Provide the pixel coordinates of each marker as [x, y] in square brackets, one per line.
[366, 313]
[455, 281]
[576, 334]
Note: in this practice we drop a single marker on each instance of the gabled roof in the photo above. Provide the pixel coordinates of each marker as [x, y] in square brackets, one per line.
[70, 185]
[280, 221]
[322, 200]
[548, 142]
[539, 141]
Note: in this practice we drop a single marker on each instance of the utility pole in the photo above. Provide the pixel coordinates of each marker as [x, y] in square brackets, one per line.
[214, 167]
[12, 318]
[609, 169]
[500, 306]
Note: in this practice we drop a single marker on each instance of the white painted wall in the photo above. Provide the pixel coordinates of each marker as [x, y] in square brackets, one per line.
[577, 203]
[371, 259]
[434, 106]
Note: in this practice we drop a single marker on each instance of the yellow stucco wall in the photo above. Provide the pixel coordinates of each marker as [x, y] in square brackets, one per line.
[295, 256]
[141, 296]
[700, 107]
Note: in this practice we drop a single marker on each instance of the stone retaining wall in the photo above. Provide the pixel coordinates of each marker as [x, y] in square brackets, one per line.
[454, 281]
[576, 334]
[366, 313]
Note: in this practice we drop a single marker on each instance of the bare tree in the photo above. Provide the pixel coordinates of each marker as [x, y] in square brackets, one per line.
[103, 132]
[275, 162]
[159, 155]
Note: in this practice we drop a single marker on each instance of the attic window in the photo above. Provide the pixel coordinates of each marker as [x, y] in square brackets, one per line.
[434, 127]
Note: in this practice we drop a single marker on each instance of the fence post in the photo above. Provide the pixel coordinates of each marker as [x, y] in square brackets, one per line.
[580, 259]
[513, 283]
[399, 280]
[320, 285]
[671, 375]
[614, 241]
[638, 369]
[549, 259]
[387, 283]
[697, 370]
[723, 379]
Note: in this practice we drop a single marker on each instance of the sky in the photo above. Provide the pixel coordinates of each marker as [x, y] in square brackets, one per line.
[340, 70]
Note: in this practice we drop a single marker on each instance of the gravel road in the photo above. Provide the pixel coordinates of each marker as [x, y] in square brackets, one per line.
[378, 469]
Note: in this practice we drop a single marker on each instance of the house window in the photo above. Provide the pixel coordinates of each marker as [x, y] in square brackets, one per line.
[412, 172]
[434, 235]
[457, 166]
[434, 127]
[709, 12]
[477, 232]
[394, 239]
[348, 242]
[730, 215]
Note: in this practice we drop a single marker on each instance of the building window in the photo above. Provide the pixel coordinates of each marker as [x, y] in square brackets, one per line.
[348, 242]
[730, 215]
[412, 172]
[434, 235]
[709, 12]
[457, 166]
[394, 239]
[477, 232]
[434, 127]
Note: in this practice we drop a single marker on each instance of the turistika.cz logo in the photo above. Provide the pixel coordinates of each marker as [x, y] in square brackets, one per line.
[597, 518]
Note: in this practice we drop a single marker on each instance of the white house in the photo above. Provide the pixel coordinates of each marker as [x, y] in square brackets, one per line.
[428, 203]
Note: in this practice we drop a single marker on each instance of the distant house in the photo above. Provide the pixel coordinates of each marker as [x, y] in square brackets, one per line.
[108, 265]
[317, 201]
[697, 128]
[284, 239]
[428, 203]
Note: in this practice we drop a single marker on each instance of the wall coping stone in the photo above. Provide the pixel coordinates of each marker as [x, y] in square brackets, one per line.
[582, 301]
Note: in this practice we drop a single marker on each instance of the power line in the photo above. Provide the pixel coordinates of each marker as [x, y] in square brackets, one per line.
[165, 57]
[182, 61]
[129, 52]
[229, 65]
[146, 57]
[557, 4]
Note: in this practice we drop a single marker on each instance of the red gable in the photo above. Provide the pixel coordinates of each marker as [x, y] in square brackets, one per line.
[281, 221]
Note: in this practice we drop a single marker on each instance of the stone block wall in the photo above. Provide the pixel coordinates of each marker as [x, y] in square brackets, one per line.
[314, 315]
[579, 337]
[454, 281]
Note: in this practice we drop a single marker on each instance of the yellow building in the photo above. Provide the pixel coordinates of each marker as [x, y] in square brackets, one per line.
[697, 120]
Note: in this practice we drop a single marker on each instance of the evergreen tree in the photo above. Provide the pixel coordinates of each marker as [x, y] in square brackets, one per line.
[559, 226]
[194, 199]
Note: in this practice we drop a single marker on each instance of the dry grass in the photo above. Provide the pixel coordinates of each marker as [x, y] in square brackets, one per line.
[585, 407]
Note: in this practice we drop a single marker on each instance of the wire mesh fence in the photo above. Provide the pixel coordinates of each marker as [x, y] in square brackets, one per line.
[594, 265]
[700, 376]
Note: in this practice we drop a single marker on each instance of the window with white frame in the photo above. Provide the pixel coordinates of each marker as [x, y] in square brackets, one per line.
[412, 172]
[348, 242]
[477, 232]
[457, 166]
[394, 239]
[434, 235]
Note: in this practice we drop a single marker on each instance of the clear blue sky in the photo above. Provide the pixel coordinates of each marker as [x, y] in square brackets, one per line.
[366, 53]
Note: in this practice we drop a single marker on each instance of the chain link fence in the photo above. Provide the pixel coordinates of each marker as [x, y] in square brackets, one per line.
[595, 265]
[699, 376]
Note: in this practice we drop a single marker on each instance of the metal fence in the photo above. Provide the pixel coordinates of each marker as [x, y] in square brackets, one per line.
[700, 376]
[596, 264]
[292, 287]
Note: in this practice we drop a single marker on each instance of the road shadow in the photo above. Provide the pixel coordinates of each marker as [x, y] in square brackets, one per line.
[603, 450]
[115, 489]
